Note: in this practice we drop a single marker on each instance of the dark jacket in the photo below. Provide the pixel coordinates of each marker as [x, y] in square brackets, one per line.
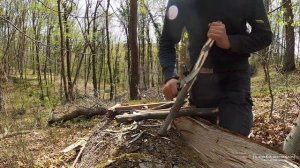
[195, 15]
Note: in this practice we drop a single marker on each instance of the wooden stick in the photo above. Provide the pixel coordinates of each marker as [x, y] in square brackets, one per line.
[161, 114]
[78, 156]
[164, 106]
[139, 106]
[184, 91]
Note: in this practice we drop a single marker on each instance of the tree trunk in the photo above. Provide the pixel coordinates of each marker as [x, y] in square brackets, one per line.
[94, 51]
[289, 58]
[3, 79]
[143, 64]
[66, 13]
[111, 93]
[135, 75]
[62, 59]
[37, 29]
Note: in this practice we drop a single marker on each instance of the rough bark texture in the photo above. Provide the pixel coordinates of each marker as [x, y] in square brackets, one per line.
[292, 142]
[220, 148]
[61, 30]
[289, 58]
[135, 75]
[200, 145]
[3, 79]
[122, 146]
[2, 102]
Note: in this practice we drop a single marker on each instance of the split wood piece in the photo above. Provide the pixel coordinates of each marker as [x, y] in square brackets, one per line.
[186, 85]
[78, 156]
[75, 145]
[218, 147]
[163, 106]
[139, 106]
[88, 112]
[8, 135]
[162, 114]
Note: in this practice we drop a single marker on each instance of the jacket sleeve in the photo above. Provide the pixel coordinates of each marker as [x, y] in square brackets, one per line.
[171, 35]
[260, 36]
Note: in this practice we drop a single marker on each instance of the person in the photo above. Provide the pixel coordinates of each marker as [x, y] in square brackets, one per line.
[238, 27]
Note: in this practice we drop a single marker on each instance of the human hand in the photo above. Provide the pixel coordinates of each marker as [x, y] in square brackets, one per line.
[217, 32]
[170, 89]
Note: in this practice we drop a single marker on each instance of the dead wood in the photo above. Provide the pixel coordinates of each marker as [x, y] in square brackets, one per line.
[218, 147]
[87, 112]
[163, 106]
[139, 106]
[162, 114]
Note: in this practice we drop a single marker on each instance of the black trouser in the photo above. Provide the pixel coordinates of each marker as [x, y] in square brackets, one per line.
[230, 91]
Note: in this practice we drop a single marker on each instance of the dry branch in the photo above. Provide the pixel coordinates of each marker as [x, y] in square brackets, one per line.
[163, 106]
[139, 106]
[88, 112]
[162, 114]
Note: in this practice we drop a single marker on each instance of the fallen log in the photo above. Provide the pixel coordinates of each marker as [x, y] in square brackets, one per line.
[221, 148]
[87, 112]
[162, 114]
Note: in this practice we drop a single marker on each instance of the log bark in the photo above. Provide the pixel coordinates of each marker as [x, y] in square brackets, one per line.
[221, 148]
[88, 112]
[162, 114]
[292, 142]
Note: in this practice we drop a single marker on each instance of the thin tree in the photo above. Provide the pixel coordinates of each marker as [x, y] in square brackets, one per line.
[111, 95]
[289, 58]
[63, 76]
[135, 74]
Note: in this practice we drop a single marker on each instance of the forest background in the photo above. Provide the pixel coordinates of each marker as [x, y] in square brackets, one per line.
[58, 55]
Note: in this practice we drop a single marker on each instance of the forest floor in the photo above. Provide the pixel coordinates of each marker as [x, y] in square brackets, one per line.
[42, 145]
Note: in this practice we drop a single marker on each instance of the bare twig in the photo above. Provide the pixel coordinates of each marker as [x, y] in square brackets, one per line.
[78, 156]
[137, 136]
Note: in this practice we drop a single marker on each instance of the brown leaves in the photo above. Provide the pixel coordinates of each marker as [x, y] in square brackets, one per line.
[273, 131]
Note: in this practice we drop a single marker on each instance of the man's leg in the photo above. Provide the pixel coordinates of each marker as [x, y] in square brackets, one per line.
[205, 93]
[236, 104]
[236, 113]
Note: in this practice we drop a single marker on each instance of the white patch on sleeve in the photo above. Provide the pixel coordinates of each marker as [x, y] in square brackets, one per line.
[172, 12]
